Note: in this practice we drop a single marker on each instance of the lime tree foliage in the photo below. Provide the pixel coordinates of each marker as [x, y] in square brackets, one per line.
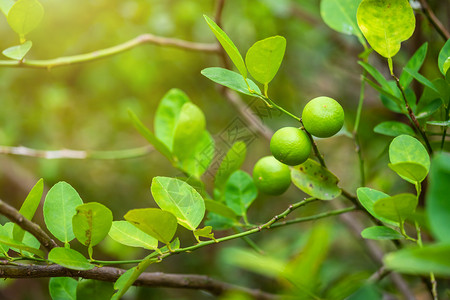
[413, 223]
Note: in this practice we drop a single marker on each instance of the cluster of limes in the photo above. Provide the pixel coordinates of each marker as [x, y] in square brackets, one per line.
[321, 117]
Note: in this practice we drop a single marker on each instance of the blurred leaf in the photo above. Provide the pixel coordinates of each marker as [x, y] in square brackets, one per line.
[218, 222]
[24, 16]
[6, 240]
[429, 109]
[385, 24]
[420, 78]
[443, 57]
[18, 52]
[231, 80]
[228, 46]
[405, 148]
[383, 82]
[367, 197]
[167, 115]
[94, 289]
[149, 136]
[59, 207]
[396, 208]
[340, 15]
[240, 192]
[315, 180]
[414, 64]
[232, 161]
[69, 258]
[410, 171]
[160, 224]
[205, 232]
[366, 292]
[219, 208]
[5, 6]
[439, 123]
[3, 248]
[128, 234]
[28, 240]
[437, 198]
[179, 198]
[264, 58]
[381, 233]
[28, 208]
[347, 285]
[63, 288]
[393, 128]
[423, 261]
[91, 223]
[196, 158]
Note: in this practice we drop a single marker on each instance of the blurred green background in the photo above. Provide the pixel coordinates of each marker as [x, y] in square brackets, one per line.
[84, 107]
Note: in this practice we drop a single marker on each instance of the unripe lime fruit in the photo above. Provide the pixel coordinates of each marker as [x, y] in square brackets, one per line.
[323, 117]
[290, 146]
[271, 176]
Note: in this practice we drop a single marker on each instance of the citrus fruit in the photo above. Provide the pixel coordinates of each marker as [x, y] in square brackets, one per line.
[290, 146]
[323, 117]
[271, 176]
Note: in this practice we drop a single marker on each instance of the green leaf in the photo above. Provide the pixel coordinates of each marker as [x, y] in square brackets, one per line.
[366, 292]
[405, 148]
[160, 224]
[420, 78]
[410, 171]
[232, 161]
[5, 6]
[220, 209]
[228, 46]
[149, 136]
[205, 232]
[4, 248]
[340, 15]
[24, 16]
[63, 288]
[396, 208]
[28, 208]
[381, 233]
[94, 289]
[414, 64]
[231, 80]
[91, 223]
[393, 128]
[219, 222]
[264, 58]
[240, 192]
[315, 180]
[18, 52]
[428, 109]
[198, 157]
[443, 58]
[180, 199]
[367, 197]
[128, 234]
[69, 258]
[421, 261]
[379, 78]
[6, 240]
[27, 240]
[59, 208]
[439, 123]
[385, 24]
[437, 198]
[167, 115]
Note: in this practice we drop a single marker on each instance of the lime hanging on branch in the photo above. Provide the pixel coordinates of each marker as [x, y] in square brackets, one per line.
[271, 176]
[290, 146]
[323, 117]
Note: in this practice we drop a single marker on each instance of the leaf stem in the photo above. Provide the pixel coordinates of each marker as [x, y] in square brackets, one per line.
[355, 132]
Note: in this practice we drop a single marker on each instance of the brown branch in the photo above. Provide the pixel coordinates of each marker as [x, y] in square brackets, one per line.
[95, 55]
[12, 214]
[443, 32]
[183, 281]
[219, 11]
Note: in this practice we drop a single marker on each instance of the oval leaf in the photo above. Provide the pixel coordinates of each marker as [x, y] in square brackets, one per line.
[443, 58]
[411, 172]
[264, 58]
[228, 46]
[232, 161]
[405, 148]
[63, 288]
[240, 191]
[220, 209]
[393, 128]
[231, 80]
[396, 208]
[91, 223]
[179, 198]
[381, 233]
[59, 208]
[18, 52]
[160, 224]
[69, 258]
[94, 289]
[128, 234]
[315, 180]
[25, 15]
[367, 197]
[385, 24]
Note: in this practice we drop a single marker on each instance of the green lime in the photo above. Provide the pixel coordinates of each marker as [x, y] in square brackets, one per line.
[290, 145]
[323, 117]
[271, 176]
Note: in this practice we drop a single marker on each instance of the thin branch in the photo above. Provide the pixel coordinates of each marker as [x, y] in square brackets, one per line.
[443, 32]
[219, 12]
[76, 154]
[91, 56]
[12, 214]
[111, 274]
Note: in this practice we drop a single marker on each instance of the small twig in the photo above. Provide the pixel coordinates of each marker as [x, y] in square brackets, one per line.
[219, 11]
[91, 56]
[434, 20]
[378, 275]
[12, 214]
[111, 274]
[355, 132]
